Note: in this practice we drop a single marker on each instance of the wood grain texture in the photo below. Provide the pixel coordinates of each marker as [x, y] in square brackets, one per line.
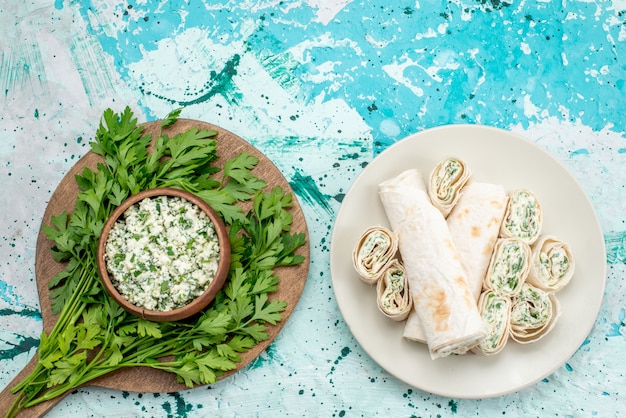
[292, 279]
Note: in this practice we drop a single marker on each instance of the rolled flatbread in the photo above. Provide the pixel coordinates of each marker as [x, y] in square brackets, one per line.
[523, 218]
[474, 225]
[437, 278]
[552, 264]
[447, 180]
[374, 250]
[508, 267]
[533, 314]
[495, 311]
[392, 292]
[413, 329]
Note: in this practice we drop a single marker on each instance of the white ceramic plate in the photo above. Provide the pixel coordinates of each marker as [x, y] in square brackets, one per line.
[495, 156]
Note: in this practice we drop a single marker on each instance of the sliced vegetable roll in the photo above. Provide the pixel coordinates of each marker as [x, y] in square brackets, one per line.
[495, 311]
[533, 314]
[523, 218]
[375, 249]
[552, 265]
[392, 290]
[509, 267]
[437, 278]
[446, 182]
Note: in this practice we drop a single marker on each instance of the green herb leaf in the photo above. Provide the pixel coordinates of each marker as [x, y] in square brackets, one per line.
[241, 343]
[239, 169]
[256, 331]
[214, 323]
[223, 203]
[171, 117]
[148, 328]
[66, 368]
[268, 311]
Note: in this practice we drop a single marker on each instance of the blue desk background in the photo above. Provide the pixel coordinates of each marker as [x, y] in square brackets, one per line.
[320, 87]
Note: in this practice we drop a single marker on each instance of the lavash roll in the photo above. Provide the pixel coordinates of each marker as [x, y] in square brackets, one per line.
[446, 182]
[552, 264]
[413, 329]
[437, 278]
[523, 218]
[508, 267]
[374, 250]
[495, 311]
[393, 296]
[533, 314]
[474, 225]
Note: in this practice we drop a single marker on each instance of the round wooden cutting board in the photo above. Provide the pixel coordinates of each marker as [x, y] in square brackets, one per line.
[140, 379]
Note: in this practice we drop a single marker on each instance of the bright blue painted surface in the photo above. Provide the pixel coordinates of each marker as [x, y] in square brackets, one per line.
[321, 88]
[461, 56]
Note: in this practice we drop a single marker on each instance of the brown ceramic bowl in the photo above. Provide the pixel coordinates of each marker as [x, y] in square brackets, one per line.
[213, 288]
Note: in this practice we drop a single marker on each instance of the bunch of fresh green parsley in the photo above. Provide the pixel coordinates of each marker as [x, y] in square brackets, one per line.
[93, 335]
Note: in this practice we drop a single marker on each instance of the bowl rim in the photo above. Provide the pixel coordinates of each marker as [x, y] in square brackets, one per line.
[197, 304]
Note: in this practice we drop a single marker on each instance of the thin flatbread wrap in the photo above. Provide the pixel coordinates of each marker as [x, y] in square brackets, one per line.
[375, 249]
[523, 218]
[393, 296]
[413, 329]
[551, 264]
[437, 279]
[474, 225]
[533, 314]
[446, 182]
[495, 311]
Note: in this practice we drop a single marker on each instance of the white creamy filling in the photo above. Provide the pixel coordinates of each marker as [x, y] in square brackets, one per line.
[374, 251]
[554, 265]
[393, 296]
[495, 314]
[162, 253]
[531, 308]
[522, 220]
[508, 267]
[446, 178]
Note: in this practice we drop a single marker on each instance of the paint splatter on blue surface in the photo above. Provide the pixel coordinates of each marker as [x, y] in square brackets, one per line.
[616, 328]
[267, 356]
[453, 406]
[615, 247]
[8, 294]
[24, 345]
[307, 190]
[220, 83]
[582, 151]
[176, 406]
[442, 67]
[345, 351]
[23, 312]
